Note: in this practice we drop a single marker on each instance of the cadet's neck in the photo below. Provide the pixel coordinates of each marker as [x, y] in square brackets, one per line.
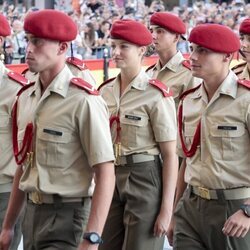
[212, 83]
[127, 76]
[47, 76]
[166, 55]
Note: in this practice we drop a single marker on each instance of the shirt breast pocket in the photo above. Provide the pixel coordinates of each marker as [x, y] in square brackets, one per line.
[134, 128]
[54, 147]
[228, 141]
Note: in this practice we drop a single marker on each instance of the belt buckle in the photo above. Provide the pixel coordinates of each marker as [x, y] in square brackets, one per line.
[204, 193]
[36, 198]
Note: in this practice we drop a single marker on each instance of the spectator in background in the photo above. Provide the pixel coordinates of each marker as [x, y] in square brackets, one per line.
[19, 41]
[103, 40]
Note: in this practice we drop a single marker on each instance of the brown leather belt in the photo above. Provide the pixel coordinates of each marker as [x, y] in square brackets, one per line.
[228, 194]
[41, 198]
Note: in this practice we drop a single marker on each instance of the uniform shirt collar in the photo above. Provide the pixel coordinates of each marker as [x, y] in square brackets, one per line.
[173, 64]
[137, 83]
[245, 73]
[59, 85]
[229, 85]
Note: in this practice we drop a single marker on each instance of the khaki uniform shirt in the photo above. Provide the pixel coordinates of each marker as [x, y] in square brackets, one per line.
[174, 75]
[222, 161]
[146, 117]
[71, 134]
[8, 91]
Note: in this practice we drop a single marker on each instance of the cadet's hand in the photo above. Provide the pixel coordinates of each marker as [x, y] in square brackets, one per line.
[85, 245]
[161, 224]
[237, 225]
[170, 232]
[5, 239]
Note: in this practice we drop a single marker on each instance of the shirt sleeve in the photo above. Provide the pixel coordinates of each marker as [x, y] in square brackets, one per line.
[94, 130]
[163, 117]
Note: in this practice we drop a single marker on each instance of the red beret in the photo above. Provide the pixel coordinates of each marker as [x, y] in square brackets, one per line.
[245, 26]
[169, 22]
[4, 27]
[50, 24]
[216, 37]
[131, 31]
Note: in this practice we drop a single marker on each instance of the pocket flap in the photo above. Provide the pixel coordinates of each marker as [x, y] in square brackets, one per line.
[56, 135]
[227, 130]
[134, 120]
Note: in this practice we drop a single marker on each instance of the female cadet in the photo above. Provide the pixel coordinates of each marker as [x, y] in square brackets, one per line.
[143, 126]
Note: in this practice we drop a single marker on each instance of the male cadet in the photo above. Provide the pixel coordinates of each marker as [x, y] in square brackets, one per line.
[242, 70]
[214, 127]
[171, 68]
[10, 83]
[61, 138]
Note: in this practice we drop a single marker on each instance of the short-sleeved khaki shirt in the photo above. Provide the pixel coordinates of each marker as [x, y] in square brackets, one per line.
[146, 117]
[8, 91]
[174, 75]
[71, 134]
[222, 161]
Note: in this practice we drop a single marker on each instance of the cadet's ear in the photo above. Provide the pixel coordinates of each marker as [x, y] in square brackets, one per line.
[228, 57]
[63, 47]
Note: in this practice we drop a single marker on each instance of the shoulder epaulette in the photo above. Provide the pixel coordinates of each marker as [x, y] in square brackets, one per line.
[245, 83]
[18, 78]
[80, 83]
[106, 82]
[166, 91]
[187, 92]
[150, 67]
[187, 64]
[77, 63]
[238, 69]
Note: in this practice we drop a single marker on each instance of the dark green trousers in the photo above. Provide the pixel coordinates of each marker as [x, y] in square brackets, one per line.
[199, 224]
[134, 209]
[53, 226]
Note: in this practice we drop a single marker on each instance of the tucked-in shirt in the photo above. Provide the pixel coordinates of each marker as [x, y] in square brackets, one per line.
[174, 75]
[71, 134]
[222, 161]
[146, 116]
[8, 91]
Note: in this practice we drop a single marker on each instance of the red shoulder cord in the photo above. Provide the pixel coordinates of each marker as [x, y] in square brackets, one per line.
[196, 140]
[116, 119]
[20, 155]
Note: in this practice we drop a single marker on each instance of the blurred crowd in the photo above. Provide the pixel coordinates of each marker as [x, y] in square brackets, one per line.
[95, 17]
